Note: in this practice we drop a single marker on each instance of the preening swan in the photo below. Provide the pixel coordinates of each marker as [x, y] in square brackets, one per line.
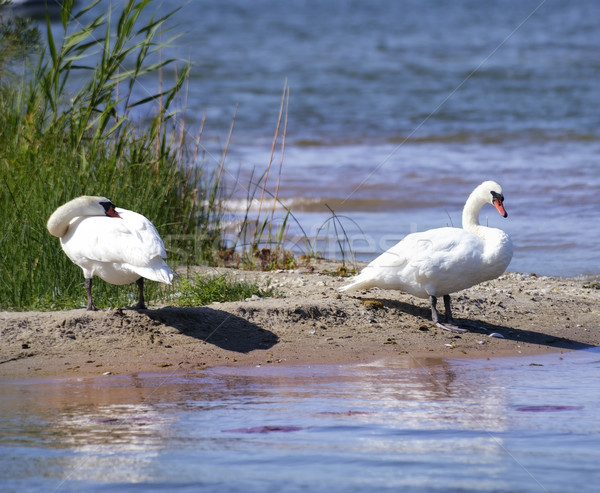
[117, 245]
[441, 261]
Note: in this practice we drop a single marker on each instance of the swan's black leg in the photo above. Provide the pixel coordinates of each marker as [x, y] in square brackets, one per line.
[88, 290]
[448, 325]
[434, 312]
[140, 304]
[448, 314]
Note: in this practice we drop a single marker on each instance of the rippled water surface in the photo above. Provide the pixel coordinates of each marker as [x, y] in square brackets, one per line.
[521, 424]
[398, 109]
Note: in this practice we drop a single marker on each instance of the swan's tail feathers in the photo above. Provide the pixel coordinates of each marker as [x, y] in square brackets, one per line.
[158, 271]
[358, 282]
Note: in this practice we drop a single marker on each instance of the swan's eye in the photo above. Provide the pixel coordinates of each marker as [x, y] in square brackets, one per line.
[497, 196]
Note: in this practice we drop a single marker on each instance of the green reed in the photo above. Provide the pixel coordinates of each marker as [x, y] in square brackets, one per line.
[58, 143]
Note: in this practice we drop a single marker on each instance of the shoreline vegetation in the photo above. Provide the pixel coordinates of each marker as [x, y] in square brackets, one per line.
[246, 301]
[70, 125]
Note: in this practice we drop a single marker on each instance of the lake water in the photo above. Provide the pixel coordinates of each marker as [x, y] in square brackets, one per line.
[527, 424]
[398, 109]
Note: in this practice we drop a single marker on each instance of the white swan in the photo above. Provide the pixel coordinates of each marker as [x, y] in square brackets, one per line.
[445, 260]
[117, 245]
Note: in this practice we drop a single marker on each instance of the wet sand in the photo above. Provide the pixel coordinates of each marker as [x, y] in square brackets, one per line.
[306, 322]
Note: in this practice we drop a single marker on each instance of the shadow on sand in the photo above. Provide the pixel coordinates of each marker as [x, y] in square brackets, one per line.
[217, 327]
[477, 326]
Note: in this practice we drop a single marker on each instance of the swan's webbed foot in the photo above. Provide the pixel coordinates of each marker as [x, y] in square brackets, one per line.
[451, 327]
[449, 323]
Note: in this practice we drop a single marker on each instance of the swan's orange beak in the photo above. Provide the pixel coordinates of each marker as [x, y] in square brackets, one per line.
[500, 207]
[112, 212]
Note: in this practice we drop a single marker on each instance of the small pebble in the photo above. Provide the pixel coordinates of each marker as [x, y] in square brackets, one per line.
[495, 334]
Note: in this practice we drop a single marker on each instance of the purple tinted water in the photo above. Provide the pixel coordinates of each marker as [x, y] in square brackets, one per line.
[463, 425]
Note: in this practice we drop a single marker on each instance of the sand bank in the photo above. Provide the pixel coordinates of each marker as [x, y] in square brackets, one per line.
[306, 322]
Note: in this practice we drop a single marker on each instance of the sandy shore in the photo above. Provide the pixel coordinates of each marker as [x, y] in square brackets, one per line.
[306, 322]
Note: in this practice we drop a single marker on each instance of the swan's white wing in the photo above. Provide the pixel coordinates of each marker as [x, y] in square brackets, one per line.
[451, 262]
[117, 248]
[132, 240]
[421, 260]
[142, 235]
[438, 249]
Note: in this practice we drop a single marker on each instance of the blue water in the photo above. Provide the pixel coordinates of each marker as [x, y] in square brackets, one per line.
[527, 424]
[398, 109]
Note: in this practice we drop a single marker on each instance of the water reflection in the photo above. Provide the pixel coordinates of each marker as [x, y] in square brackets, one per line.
[453, 424]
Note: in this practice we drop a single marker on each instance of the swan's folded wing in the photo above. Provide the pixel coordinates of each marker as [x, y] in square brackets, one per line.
[132, 240]
[453, 263]
[442, 249]
[419, 258]
[143, 234]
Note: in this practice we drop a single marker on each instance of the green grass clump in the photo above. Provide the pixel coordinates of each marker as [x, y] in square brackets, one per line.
[202, 290]
[59, 140]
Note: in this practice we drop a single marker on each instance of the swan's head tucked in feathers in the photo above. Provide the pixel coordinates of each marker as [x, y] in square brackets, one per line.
[88, 205]
[83, 206]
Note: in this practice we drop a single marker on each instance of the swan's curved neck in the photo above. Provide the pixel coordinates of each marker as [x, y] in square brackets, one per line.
[470, 216]
[58, 224]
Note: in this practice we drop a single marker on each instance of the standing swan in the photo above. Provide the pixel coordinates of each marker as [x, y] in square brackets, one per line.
[441, 261]
[117, 245]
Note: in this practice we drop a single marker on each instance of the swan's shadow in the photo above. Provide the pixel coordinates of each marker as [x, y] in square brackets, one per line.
[475, 326]
[216, 327]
